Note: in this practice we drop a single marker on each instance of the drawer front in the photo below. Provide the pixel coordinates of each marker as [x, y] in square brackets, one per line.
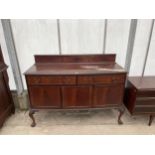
[54, 80]
[145, 101]
[146, 93]
[107, 79]
[145, 105]
[85, 79]
[144, 109]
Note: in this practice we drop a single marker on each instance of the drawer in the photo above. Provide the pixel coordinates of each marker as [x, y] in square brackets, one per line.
[107, 79]
[145, 101]
[54, 80]
[144, 109]
[146, 93]
[85, 79]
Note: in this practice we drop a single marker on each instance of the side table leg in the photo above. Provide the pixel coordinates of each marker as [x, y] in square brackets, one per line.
[150, 120]
[121, 112]
[31, 113]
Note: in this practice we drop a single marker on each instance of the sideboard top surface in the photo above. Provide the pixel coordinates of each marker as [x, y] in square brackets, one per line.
[74, 64]
[147, 82]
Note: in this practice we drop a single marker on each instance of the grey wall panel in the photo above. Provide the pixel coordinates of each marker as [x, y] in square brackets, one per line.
[82, 36]
[117, 38]
[34, 37]
[150, 63]
[140, 47]
[6, 58]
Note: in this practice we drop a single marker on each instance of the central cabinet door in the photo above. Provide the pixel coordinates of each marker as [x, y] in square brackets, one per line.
[76, 96]
[45, 96]
[107, 95]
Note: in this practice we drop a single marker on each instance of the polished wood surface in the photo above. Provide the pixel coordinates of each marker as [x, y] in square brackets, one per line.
[108, 95]
[75, 82]
[6, 102]
[75, 65]
[142, 83]
[77, 96]
[140, 96]
[74, 69]
[74, 58]
[45, 96]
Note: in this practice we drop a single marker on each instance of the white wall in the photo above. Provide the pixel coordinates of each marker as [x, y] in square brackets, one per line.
[140, 47]
[117, 38]
[150, 65]
[80, 37]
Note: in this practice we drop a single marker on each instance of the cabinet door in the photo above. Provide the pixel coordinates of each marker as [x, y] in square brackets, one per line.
[107, 95]
[45, 96]
[77, 96]
[4, 95]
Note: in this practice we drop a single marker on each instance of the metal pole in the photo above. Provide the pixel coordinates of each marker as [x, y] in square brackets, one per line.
[59, 36]
[12, 55]
[148, 46]
[105, 35]
[131, 39]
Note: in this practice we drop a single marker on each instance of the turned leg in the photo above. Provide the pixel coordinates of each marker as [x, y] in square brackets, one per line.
[121, 112]
[31, 113]
[150, 120]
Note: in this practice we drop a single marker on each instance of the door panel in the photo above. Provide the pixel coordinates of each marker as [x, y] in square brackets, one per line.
[107, 95]
[45, 96]
[77, 96]
[4, 95]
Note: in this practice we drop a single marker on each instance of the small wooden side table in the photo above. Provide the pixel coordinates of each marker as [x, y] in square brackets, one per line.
[139, 96]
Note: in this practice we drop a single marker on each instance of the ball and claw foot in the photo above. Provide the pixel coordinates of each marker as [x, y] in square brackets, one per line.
[32, 117]
[121, 112]
[33, 124]
[120, 122]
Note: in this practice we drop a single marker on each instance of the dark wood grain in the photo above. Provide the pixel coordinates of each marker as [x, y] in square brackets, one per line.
[77, 96]
[74, 58]
[108, 95]
[6, 101]
[75, 82]
[51, 80]
[45, 96]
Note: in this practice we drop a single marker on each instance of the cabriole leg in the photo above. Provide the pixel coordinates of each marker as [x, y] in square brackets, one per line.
[150, 120]
[121, 112]
[31, 113]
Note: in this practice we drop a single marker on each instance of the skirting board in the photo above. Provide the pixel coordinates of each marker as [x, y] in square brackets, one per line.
[20, 101]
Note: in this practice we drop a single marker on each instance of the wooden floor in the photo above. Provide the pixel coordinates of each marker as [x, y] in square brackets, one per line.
[87, 122]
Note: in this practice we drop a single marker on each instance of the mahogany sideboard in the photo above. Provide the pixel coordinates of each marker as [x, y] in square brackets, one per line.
[75, 82]
[6, 101]
[139, 96]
